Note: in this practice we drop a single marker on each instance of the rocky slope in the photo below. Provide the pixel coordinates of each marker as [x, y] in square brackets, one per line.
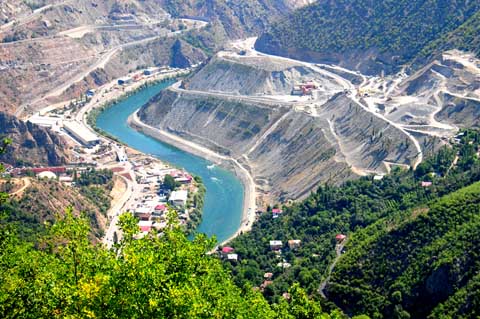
[45, 48]
[254, 76]
[441, 96]
[237, 18]
[31, 145]
[288, 149]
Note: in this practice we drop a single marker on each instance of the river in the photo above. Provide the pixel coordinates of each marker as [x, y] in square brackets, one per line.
[222, 212]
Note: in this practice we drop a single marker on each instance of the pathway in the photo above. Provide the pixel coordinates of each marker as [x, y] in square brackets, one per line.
[338, 252]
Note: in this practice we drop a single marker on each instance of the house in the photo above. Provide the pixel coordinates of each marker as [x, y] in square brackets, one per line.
[297, 90]
[149, 71]
[276, 244]
[178, 198]
[47, 175]
[56, 170]
[340, 237]
[268, 275]
[377, 177]
[160, 209]
[143, 213]
[227, 250]
[276, 212]
[90, 93]
[284, 265]
[144, 216]
[145, 226]
[294, 243]
[426, 184]
[65, 179]
[125, 80]
[186, 179]
[232, 257]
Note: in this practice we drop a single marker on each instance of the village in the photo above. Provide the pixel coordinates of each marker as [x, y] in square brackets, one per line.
[279, 249]
[148, 187]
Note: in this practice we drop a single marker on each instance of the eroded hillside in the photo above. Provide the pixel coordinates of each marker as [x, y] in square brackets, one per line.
[31, 144]
[241, 105]
[47, 46]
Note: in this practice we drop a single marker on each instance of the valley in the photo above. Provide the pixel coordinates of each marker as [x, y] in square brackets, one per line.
[301, 158]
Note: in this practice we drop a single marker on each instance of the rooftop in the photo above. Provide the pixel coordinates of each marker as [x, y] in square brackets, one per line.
[181, 195]
[80, 130]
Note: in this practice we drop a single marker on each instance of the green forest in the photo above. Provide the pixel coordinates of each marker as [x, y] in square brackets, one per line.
[377, 216]
[411, 252]
[396, 31]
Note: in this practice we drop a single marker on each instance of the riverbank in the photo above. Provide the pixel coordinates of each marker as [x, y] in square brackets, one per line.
[249, 198]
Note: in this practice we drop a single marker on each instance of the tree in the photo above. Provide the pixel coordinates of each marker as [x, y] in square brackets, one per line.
[169, 182]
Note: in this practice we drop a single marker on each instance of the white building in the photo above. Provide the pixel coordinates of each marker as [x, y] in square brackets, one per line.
[81, 133]
[121, 154]
[47, 174]
[232, 257]
[46, 121]
[276, 244]
[178, 198]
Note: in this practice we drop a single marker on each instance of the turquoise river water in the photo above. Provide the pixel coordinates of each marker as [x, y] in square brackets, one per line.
[222, 211]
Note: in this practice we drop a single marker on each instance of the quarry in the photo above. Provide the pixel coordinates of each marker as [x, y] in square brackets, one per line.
[290, 124]
[294, 125]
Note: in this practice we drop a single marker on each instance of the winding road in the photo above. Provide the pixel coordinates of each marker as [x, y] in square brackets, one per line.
[331, 267]
[104, 58]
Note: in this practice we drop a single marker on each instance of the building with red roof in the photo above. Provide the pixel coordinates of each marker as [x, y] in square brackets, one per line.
[227, 250]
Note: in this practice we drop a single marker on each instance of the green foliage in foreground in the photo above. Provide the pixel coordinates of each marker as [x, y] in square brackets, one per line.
[65, 276]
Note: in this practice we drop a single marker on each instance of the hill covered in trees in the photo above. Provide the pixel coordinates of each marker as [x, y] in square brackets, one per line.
[412, 262]
[418, 221]
[64, 275]
[372, 35]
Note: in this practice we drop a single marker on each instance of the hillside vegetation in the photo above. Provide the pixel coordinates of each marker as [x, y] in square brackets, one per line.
[381, 35]
[412, 262]
[43, 200]
[372, 213]
[167, 276]
[60, 273]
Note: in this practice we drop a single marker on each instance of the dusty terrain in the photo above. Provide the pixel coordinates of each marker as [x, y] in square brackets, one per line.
[45, 51]
[53, 50]
[241, 105]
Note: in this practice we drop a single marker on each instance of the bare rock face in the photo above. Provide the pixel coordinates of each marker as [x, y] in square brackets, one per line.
[31, 144]
[288, 152]
[242, 107]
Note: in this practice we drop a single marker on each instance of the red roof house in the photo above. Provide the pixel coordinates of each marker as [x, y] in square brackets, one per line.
[161, 207]
[227, 250]
[340, 237]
